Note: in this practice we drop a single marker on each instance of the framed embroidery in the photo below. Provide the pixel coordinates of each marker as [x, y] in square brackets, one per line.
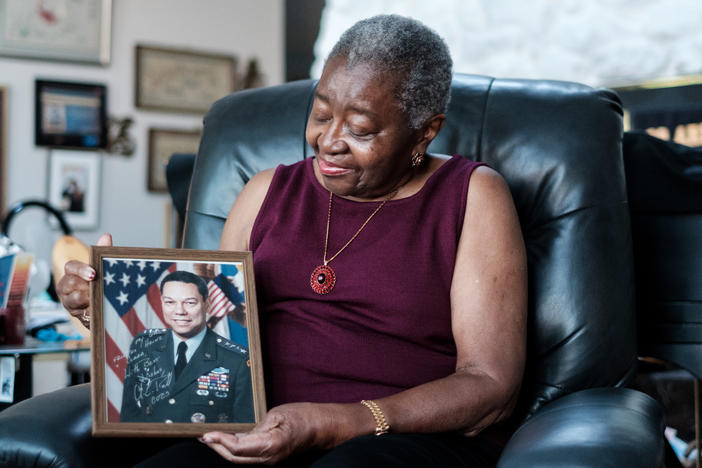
[187, 81]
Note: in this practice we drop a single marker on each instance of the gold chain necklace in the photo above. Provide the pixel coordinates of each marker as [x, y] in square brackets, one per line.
[323, 277]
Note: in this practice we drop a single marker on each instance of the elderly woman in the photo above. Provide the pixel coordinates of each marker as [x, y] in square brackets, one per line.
[392, 282]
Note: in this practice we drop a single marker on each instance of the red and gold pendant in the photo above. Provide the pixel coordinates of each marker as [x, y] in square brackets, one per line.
[323, 279]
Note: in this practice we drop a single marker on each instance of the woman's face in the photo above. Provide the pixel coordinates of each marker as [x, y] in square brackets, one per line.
[361, 139]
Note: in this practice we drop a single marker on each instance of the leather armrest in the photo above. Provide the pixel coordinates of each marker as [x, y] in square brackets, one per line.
[47, 430]
[623, 426]
[591, 428]
[54, 430]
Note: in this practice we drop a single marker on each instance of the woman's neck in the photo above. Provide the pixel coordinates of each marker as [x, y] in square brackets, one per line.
[407, 185]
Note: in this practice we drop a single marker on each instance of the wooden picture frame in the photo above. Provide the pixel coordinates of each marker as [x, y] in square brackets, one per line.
[163, 143]
[133, 351]
[62, 30]
[70, 114]
[4, 108]
[75, 186]
[176, 80]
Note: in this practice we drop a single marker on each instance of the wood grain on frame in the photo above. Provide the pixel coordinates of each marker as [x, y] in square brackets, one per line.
[101, 425]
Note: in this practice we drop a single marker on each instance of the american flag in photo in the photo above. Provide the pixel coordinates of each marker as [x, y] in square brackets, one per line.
[223, 294]
[131, 304]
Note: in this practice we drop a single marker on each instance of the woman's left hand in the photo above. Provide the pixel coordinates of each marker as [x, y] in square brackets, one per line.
[286, 429]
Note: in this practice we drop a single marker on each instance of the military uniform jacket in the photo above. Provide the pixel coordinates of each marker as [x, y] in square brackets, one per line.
[215, 386]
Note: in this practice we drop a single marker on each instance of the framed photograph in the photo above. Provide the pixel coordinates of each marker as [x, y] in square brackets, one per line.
[70, 115]
[163, 143]
[666, 109]
[64, 30]
[181, 81]
[4, 108]
[175, 342]
[74, 187]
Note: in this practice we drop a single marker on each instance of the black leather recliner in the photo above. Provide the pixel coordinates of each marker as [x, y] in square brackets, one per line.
[667, 236]
[558, 145]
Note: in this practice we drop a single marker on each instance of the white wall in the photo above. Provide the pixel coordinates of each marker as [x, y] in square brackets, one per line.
[135, 216]
[597, 42]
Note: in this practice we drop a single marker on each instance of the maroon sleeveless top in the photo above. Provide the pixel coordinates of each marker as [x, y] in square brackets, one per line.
[386, 325]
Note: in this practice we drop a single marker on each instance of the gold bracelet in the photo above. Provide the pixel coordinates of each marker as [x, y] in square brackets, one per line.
[381, 424]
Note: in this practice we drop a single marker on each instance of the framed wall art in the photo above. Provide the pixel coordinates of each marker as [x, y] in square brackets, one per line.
[70, 115]
[176, 349]
[163, 143]
[180, 80]
[74, 187]
[64, 30]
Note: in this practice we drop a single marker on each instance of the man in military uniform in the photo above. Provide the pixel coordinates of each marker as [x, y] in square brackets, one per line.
[186, 373]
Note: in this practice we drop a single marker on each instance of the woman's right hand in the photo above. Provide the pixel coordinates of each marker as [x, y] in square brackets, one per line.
[74, 288]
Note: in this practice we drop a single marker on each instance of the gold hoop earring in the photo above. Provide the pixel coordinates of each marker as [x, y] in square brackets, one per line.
[417, 159]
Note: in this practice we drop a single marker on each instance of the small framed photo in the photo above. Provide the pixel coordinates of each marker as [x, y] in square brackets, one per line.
[74, 187]
[181, 80]
[163, 143]
[175, 342]
[70, 115]
[62, 30]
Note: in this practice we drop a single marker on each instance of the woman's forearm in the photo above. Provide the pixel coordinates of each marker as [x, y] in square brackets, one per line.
[464, 401]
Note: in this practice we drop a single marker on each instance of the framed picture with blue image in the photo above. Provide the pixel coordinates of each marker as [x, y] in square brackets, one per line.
[70, 115]
[175, 342]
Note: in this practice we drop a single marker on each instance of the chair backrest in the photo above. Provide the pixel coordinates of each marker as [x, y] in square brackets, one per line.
[558, 145]
[179, 171]
[664, 181]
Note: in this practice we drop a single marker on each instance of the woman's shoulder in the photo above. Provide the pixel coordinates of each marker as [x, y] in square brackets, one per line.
[256, 188]
[437, 160]
[261, 179]
[485, 182]
[237, 228]
[488, 189]
[486, 178]
[442, 166]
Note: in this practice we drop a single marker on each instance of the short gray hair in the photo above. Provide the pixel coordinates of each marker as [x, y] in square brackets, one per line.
[404, 46]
